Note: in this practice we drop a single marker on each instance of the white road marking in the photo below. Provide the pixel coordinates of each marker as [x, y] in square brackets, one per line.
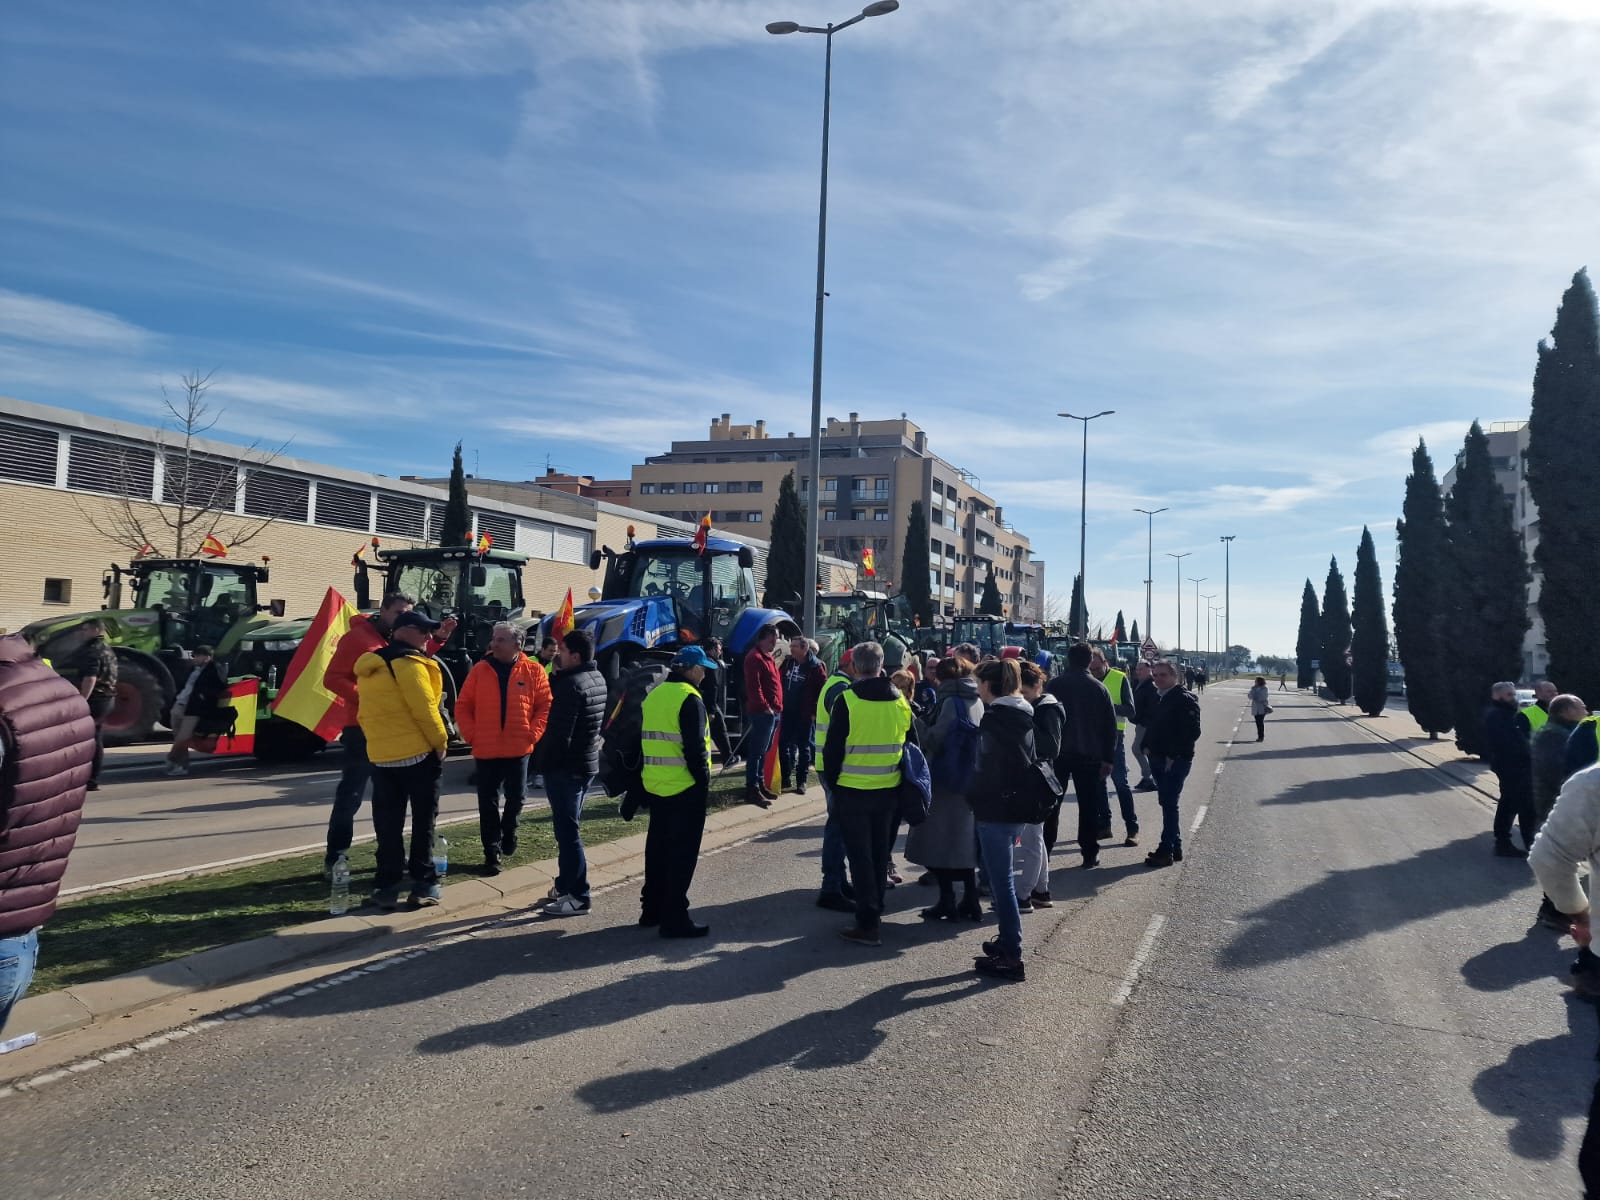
[1199, 815]
[1146, 944]
[1219, 768]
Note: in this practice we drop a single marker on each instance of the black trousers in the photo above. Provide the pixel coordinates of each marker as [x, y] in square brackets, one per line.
[1515, 804]
[867, 822]
[496, 775]
[1089, 787]
[394, 789]
[671, 852]
[1261, 726]
[99, 708]
[794, 750]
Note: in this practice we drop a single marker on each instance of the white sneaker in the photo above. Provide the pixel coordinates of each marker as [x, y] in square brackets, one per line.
[174, 771]
[567, 906]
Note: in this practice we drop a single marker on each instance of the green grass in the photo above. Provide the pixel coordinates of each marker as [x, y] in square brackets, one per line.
[114, 932]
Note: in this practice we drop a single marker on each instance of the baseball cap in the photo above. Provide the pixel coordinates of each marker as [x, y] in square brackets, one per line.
[693, 656]
[415, 620]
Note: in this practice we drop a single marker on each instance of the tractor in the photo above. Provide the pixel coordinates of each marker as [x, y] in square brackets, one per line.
[845, 618]
[177, 604]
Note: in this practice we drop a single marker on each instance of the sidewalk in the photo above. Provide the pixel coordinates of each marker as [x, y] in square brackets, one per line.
[1396, 726]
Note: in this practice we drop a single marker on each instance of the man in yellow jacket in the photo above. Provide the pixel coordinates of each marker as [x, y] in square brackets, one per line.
[406, 741]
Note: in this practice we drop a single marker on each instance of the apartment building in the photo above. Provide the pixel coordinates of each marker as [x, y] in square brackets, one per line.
[872, 473]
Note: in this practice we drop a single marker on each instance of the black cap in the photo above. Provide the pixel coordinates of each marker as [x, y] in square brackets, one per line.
[415, 620]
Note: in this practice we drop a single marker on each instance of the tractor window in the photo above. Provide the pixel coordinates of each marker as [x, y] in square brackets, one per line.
[500, 590]
[433, 587]
[225, 598]
[727, 582]
[676, 575]
[833, 616]
[168, 587]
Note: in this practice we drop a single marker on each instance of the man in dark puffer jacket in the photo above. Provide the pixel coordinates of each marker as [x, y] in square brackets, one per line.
[569, 758]
[47, 743]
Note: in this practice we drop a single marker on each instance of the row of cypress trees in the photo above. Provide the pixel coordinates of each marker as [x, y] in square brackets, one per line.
[1350, 641]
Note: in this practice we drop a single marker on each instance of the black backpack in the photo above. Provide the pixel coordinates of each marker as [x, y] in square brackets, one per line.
[621, 756]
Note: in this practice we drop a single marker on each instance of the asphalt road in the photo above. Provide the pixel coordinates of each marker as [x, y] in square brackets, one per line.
[1335, 995]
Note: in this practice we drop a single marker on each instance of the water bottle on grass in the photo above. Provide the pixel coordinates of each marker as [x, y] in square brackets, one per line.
[441, 856]
[339, 893]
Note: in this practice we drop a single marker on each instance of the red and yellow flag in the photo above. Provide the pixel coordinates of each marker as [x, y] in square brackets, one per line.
[565, 622]
[302, 698]
[485, 540]
[868, 563]
[213, 546]
[772, 767]
[702, 532]
[241, 697]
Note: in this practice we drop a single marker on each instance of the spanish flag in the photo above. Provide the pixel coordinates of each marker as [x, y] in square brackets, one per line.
[485, 540]
[867, 562]
[702, 532]
[772, 767]
[213, 546]
[241, 697]
[302, 698]
[565, 622]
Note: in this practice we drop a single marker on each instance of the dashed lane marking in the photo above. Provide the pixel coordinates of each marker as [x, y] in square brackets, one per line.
[1146, 944]
[1199, 815]
[1219, 768]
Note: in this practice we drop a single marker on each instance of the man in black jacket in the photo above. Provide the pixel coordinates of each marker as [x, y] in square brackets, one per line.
[199, 697]
[1511, 758]
[1088, 746]
[1169, 741]
[569, 757]
[1144, 707]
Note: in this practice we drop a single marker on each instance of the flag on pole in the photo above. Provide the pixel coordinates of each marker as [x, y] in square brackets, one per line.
[241, 697]
[702, 532]
[485, 540]
[565, 622]
[771, 767]
[302, 698]
[213, 546]
[868, 563]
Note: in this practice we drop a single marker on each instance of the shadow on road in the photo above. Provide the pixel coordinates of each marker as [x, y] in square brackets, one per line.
[1500, 968]
[1340, 750]
[1532, 1087]
[1411, 781]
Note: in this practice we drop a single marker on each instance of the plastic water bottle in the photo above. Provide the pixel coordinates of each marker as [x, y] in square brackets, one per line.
[441, 856]
[339, 894]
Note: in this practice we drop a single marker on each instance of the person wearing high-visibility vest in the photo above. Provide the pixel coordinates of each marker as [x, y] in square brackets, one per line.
[869, 725]
[836, 892]
[1537, 713]
[1121, 691]
[675, 752]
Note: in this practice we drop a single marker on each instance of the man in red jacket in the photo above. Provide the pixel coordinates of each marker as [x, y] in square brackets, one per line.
[47, 747]
[365, 635]
[763, 706]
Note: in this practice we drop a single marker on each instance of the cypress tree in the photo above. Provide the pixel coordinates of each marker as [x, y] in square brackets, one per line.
[915, 584]
[1487, 581]
[1118, 631]
[1335, 633]
[1308, 645]
[456, 529]
[1133, 634]
[1563, 455]
[786, 558]
[1419, 598]
[1078, 619]
[1369, 644]
[990, 604]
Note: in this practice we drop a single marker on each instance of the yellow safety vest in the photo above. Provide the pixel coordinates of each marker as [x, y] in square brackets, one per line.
[830, 693]
[1113, 681]
[876, 740]
[1536, 717]
[666, 773]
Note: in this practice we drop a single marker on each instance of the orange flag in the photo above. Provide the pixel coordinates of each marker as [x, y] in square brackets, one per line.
[702, 533]
[565, 622]
[213, 546]
[302, 697]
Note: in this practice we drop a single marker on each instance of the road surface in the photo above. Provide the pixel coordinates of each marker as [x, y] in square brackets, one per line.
[1335, 995]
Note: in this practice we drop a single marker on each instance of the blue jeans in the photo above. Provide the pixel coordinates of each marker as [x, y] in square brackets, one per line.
[1169, 774]
[832, 848]
[995, 842]
[1119, 780]
[565, 792]
[18, 955]
[353, 778]
[758, 731]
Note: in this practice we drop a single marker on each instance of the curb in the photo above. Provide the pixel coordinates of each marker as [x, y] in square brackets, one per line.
[610, 863]
[1463, 781]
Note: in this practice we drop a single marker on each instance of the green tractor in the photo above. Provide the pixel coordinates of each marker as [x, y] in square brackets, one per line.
[177, 604]
[846, 618]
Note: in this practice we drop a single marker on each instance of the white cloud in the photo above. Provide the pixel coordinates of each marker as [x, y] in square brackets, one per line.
[51, 322]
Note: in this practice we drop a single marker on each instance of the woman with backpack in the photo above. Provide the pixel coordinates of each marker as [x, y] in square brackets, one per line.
[1002, 805]
[946, 842]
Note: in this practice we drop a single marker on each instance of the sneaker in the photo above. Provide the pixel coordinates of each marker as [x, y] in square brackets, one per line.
[1552, 917]
[757, 797]
[1507, 850]
[1042, 900]
[1177, 856]
[425, 896]
[1132, 839]
[835, 901]
[567, 906]
[386, 898]
[861, 937]
[553, 894]
[508, 844]
[894, 879]
[1001, 968]
[1159, 858]
[1586, 981]
[1104, 835]
[174, 771]
[991, 948]
[491, 860]
[1024, 905]
[1145, 785]
[684, 929]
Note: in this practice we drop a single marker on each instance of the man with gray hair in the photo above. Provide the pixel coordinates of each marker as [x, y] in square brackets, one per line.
[1511, 759]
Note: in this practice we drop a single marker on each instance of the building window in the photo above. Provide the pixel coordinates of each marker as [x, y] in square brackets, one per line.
[647, 489]
[734, 488]
[880, 514]
[858, 514]
[200, 481]
[753, 486]
[669, 489]
[110, 468]
[830, 514]
[753, 517]
[343, 507]
[691, 489]
[830, 486]
[58, 591]
[713, 489]
[284, 497]
[30, 454]
[401, 516]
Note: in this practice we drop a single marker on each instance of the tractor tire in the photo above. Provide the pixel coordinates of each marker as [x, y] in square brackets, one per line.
[137, 708]
[282, 741]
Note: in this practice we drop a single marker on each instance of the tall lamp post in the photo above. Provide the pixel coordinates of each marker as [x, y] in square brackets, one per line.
[1227, 595]
[1149, 560]
[1083, 513]
[1197, 583]
[1210, 614]
[1177, 637]
[814, 509]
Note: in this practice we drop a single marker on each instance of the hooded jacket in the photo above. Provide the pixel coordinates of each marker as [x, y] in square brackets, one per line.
[503, 707]
[400, 689]
[1005, 754]
[47, 743]
[1049, 722]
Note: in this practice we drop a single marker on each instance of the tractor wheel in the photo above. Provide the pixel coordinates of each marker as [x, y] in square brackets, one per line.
[280, 740]
[137, 707]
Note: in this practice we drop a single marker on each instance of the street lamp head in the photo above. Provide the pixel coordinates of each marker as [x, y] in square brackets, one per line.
[880, 8]
[783, 27]
[1105, 413]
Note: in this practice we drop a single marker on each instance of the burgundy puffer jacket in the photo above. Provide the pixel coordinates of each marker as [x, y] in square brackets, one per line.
[49, 743]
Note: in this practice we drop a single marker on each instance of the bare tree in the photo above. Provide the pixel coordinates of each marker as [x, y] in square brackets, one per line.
[1056, 605]
[199, 491]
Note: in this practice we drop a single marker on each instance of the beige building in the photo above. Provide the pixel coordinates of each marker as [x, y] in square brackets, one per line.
[62, 473]
[872, 473]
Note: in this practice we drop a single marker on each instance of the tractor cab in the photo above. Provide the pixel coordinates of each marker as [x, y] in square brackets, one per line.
[985, 632]
[846, 618]
[192, 602]
[479, 588]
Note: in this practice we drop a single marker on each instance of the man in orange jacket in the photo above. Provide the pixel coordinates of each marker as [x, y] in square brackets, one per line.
[502, 712]
[365, 635]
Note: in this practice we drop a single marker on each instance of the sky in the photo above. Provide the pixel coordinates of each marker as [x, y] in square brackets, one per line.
[1281, 240]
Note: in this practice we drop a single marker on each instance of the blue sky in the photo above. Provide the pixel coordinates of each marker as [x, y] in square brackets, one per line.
[1279, 238]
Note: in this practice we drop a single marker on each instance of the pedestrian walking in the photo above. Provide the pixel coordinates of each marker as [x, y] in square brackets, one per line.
[801, 677]
[366, 635]
[1174, 731]
[1549, 753]
[1049, 719]
[95, 667]
[406, 741]
[1121, 692]
[1260, 706]
[1568, 843]
[1511, 759]
[763, 708]
[1283, 682]
[201, 690]
[1088, 751]
[946, 843]
[570, 756]
[868, 728]
[47, 751]
[502, 712]
[837, 893]
[1144, 707]
[676, 776]
[1000, 805]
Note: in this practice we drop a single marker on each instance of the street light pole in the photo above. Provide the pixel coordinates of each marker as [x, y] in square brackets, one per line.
[1083, 515]
[1227, 595]
[1177, 637]
[1197, 583]
[1149, 561]
[814, 508]
[1210, 614]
